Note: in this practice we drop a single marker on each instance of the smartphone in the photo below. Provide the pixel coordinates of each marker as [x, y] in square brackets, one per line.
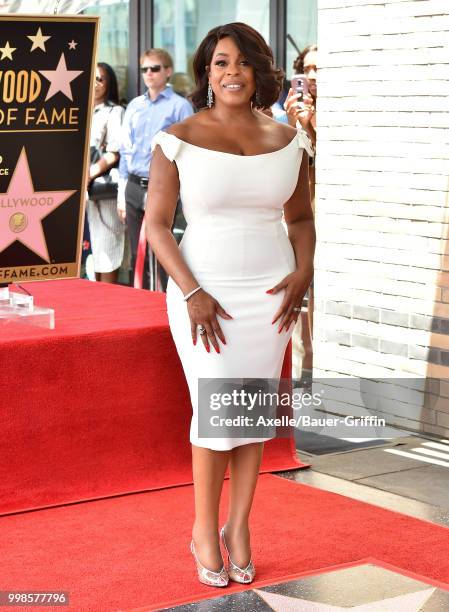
[300, 85]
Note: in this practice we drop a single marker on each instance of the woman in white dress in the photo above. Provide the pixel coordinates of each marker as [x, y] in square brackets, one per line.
[107, 232]
[237, 280]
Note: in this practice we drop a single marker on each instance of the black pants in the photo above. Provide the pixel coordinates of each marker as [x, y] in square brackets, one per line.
[136, 196]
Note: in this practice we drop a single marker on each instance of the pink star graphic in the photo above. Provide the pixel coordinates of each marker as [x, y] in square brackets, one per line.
[22, 210]
[60, 79]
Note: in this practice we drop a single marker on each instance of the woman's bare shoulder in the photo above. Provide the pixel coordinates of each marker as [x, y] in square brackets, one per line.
[185, 127]
[289, 131]
[275, 131]
[282, 131]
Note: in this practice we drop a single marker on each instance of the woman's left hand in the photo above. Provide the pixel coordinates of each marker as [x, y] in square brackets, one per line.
[303, 111]
[295, 286]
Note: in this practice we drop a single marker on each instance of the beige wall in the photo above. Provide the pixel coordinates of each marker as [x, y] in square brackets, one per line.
[382, 263]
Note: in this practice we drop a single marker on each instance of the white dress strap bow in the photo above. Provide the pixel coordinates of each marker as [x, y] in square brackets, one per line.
[304, 141]
[169, 144]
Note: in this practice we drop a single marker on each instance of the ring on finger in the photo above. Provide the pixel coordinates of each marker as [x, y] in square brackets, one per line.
[202, 330]
[297, 309]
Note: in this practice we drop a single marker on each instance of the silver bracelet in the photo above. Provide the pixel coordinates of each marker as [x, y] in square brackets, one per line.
[186, 297]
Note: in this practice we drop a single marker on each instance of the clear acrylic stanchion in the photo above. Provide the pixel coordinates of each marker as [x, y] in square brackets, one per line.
[155, 284]
[154, 266]
[20, 307]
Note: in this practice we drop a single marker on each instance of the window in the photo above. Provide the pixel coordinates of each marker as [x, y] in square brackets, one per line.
[302, 26]
[113, 38]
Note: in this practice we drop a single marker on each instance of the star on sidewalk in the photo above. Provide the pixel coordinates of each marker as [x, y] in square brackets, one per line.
[38, 41]
[410, 602]
[72, 45]
[7, 51]
[60, 79]
[22, 210]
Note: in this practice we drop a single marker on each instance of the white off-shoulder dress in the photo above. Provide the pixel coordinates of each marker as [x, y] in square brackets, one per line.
[237, 248]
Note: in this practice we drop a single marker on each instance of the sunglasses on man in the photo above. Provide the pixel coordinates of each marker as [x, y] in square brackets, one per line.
[155, 68]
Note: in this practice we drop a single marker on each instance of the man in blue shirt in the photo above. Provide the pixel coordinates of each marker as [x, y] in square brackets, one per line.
[145, 115]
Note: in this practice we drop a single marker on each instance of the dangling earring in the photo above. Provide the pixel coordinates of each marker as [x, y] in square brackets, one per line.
[258, 100]
[210, 96]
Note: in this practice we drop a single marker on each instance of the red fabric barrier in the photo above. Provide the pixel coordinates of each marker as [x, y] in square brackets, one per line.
[140, 257]
[99, 406]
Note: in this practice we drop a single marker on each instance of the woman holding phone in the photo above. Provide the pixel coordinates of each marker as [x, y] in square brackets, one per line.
[301, 112]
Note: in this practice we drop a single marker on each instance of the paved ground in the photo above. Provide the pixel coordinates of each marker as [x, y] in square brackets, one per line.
[409, 474]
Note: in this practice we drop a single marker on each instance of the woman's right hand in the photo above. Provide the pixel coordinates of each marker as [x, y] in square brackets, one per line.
[121, 210]
[203, 310]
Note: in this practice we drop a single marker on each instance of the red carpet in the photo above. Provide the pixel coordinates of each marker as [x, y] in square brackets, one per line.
[132, 551]
[99, 406]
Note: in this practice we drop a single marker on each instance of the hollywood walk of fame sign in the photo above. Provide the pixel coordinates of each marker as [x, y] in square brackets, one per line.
[47, 67]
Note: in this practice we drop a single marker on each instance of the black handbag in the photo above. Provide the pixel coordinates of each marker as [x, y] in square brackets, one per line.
[103, 187]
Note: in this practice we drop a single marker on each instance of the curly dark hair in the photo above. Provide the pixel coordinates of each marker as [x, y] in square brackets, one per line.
[298, 64]
[252, 45]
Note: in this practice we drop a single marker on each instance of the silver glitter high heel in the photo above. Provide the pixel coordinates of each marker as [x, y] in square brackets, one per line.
[236, 573]
[207, 576]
